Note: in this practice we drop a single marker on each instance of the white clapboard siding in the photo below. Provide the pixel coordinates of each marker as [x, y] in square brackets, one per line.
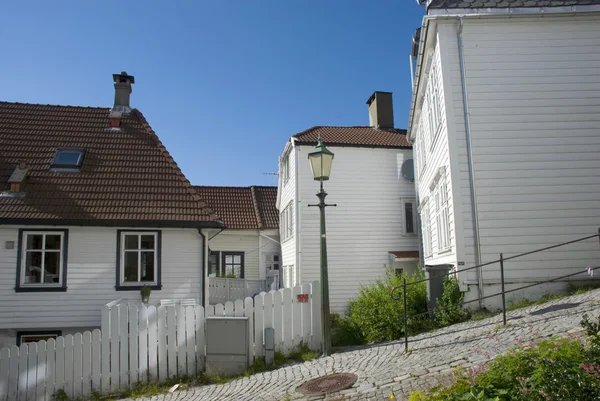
[138, 343]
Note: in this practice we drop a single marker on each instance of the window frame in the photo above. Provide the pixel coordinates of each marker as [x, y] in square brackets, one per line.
[21, 252]
[270, 260]
[285, 167]
[412, 201]
[233, 253]
[68, 167]
[427, 234]
[443, 214]
[286, 222]
[218, 267]
[52, 333]
[120, 285]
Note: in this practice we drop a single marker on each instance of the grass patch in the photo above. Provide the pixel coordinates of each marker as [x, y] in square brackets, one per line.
[482, 314]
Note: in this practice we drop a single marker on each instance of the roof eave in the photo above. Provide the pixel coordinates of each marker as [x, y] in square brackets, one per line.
[113, 223]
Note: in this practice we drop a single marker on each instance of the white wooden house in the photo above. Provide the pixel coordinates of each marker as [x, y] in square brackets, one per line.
[245, 255]
[505, 124]
[374, 224]
[92, 208]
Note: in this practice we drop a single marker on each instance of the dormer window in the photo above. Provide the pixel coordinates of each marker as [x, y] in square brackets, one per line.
[68, 159]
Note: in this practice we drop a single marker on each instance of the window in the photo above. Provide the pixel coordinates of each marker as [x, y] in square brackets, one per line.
[42, 260]
[426, 222]
[139, 259]
[233, 264]
[285, 167]
[35, 336]
[213, 264]
[68, 159]
[409, 217]
[272, 262]
[286, 222]
[442, 218]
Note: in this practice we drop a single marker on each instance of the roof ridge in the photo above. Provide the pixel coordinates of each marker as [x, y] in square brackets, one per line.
[256, 210]
[173, 163]
[55, 105]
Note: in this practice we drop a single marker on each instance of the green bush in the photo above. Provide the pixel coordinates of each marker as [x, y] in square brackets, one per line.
[377, 317]
[344, 332]
[449, 309]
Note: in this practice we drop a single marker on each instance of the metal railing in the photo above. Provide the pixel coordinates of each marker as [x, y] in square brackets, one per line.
[503, 291]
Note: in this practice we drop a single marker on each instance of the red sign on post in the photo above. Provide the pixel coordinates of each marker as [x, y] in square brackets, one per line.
[302, 298]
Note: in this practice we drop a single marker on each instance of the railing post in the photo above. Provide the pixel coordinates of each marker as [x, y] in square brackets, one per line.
[503, 293]
[405, 317]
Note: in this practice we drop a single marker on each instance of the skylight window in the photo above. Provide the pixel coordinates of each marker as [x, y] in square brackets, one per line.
[69, 159]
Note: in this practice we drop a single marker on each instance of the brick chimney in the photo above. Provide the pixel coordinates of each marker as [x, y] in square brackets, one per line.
[17, 178]
[381, 110]
[123, 84]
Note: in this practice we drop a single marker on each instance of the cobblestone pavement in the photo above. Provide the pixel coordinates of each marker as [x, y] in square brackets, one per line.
[384, 368]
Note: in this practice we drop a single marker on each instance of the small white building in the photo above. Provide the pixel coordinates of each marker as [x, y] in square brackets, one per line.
[373, 226]
[505, 124]
[245, 254]
[92, 208]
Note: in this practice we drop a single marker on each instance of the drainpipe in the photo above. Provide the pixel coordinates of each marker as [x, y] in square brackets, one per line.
[477, 241]
[204, 265]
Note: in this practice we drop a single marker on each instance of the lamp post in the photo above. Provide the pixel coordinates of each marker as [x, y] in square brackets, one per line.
[320, 164]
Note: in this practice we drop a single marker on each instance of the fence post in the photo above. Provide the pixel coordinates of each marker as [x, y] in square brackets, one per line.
[503, 293]
[405, 317]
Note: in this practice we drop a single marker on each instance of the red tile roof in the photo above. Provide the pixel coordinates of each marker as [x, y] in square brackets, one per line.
[127, 175]
[243, 207]
[355, 137]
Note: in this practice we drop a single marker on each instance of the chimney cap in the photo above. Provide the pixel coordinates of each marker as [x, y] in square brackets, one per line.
[374, 94]
[123, 77]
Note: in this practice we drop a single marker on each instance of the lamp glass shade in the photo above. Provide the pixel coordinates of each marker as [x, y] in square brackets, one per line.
[320, 162]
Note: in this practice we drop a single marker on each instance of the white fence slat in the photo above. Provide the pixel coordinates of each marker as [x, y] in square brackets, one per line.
[296, 316]
[268, 312]
[152, 343]
[105, 337]
[30, 375]
[124, 346]
[171, 341]
[59, 367]
[209, 311]
[238, 308]
[305, 312]
[162, 343]
[69, 366]
[287, 317]
[77, 364]
[13, 375]
[114, 348]
[96, 362]
[4, 371]
[86, 362]
[249, 313]
[50, 367]
[133, 344]
[200, 350]
[229, 309]
[22, 372]
[190, 342]
[278, 319]
[259, 328]
[219, 310]
[181, 342]
[41, 372]
[143, 344]
[316, 315]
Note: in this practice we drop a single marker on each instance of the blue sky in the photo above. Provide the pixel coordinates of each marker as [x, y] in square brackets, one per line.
[224, 83]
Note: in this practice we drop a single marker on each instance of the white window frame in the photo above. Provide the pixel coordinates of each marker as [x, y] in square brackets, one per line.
[413, 202]
[285, 167]
[426, 223]
[23, 258]
[139, 251]
[286, 222]
[270, 261]
[443, 214]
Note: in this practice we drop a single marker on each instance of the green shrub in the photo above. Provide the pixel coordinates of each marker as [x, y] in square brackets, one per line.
[450, 309]
[344, 332]
[377, 317]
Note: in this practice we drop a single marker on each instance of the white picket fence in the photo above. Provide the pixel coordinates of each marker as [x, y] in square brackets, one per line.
[151, 344]
[221, 290]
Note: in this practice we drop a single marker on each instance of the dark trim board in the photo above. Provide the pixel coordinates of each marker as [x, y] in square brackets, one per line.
[158, 285]
[235, 253]
[63, 287]
[57, 333]
[112, 223]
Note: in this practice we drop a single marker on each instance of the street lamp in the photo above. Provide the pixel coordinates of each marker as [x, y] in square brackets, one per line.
[320, 164]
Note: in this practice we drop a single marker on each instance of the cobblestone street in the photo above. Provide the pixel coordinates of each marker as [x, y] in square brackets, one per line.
[384, 368]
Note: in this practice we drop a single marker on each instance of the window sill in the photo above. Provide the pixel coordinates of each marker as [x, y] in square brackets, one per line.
[445, 250]
[154, 287]
[40, 289]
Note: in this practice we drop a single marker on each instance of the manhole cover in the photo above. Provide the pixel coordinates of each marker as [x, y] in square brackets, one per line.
[328, 384]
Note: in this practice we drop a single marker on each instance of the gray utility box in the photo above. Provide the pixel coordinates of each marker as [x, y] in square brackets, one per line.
[226, 345]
